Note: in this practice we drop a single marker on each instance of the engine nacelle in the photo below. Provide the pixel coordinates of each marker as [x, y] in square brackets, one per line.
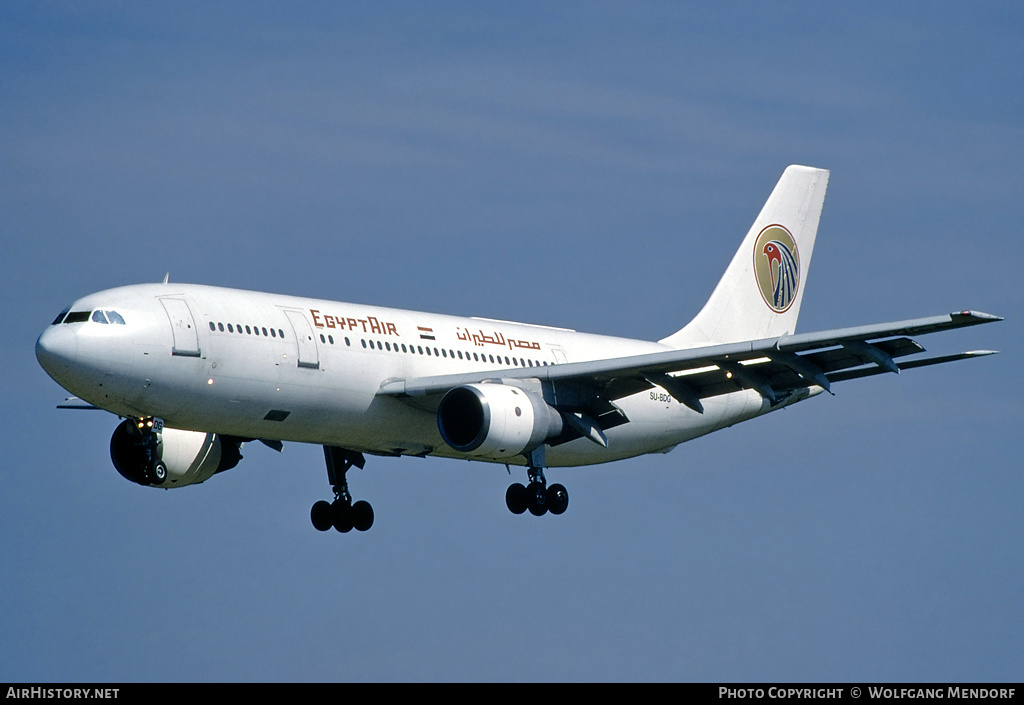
[495, 420]
[190, 457]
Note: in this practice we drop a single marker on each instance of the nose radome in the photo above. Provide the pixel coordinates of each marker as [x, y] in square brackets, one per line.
[56, 349]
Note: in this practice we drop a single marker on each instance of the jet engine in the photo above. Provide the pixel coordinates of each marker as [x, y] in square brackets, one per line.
[495, 420]
[170, 457]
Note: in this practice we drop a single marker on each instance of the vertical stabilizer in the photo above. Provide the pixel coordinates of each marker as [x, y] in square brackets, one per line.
[759, 296]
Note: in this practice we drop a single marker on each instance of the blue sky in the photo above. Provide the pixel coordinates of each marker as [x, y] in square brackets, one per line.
[590, 165]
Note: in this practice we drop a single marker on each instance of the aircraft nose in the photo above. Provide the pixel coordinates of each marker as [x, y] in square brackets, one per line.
[56, 350]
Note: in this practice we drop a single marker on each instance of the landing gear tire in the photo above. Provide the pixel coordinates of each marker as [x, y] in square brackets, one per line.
[362, 515]
[158, 474]
[321, 515]
[341, 512]
[557, 499]
[516, 498]
[537, 499]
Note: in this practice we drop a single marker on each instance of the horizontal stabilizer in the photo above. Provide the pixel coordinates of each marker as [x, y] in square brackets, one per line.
[909, 364]
[76, 403]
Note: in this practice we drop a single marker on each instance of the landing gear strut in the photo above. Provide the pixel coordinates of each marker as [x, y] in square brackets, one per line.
[537, 496]
[153, 469]
[342, 514]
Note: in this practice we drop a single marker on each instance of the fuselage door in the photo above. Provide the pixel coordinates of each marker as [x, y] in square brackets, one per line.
[183, 327]
[308, 354]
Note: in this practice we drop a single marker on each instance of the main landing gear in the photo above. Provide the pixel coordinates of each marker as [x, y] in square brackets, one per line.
[342, 514]
[537, 496]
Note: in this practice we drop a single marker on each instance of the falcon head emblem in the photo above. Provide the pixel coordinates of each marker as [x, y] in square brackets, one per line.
[777, 267]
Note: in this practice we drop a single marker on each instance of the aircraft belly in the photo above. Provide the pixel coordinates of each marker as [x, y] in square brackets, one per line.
[388, 426]
[657, 426]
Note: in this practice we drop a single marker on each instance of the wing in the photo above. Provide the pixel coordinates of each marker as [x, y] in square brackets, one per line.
[774, 367]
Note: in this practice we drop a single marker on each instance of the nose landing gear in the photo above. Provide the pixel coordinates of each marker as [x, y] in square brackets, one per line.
[151, 465]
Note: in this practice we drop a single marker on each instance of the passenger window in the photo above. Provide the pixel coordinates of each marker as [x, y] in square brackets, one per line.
[231, 328]
[98, 317]
[248, 330]
[213, 327]
[220, 327]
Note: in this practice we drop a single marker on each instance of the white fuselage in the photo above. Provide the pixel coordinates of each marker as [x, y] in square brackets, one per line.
[268, 366]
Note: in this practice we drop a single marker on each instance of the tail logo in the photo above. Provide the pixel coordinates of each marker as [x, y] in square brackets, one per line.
[777, 267]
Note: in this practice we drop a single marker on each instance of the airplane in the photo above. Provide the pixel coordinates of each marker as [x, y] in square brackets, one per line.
[196, 371]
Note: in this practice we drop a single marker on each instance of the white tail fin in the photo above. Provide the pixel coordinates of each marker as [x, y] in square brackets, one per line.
[759, 296]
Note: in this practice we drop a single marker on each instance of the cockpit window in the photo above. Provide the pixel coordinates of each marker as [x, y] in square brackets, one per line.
[96, 316]
[77, 317]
